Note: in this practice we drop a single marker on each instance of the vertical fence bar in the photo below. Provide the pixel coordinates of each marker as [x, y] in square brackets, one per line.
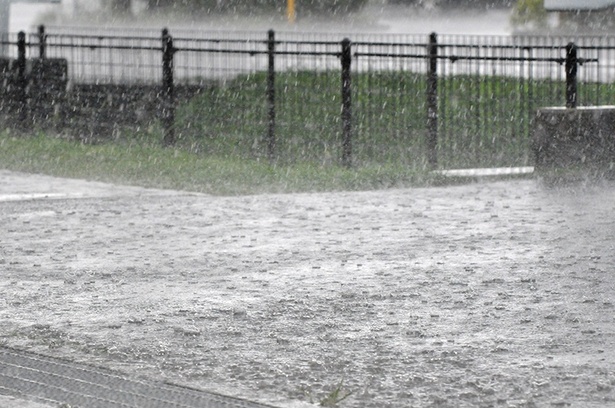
[571, 75]
[168, 89]
[529, 112]
[22, 81]
[432, 100]
[42, 42]
[346, 104]
[271, 142]
[5, 9]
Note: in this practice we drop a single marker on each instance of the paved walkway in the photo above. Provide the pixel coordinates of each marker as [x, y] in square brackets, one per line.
[475, 295]
[32, 380]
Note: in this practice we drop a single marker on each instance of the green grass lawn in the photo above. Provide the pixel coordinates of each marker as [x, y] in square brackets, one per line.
[147, 164]
[484, 121]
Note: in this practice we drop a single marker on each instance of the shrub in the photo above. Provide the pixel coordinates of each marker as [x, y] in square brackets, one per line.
[529, 13]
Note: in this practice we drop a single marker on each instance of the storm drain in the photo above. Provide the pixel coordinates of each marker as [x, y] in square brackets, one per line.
[63, 383]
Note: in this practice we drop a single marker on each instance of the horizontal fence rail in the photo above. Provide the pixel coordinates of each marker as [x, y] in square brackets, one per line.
[440, 101]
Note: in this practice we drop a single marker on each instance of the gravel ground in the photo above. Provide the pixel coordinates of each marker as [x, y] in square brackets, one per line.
[487, 294]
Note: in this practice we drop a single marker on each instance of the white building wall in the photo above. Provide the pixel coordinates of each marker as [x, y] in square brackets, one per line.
[567, 5]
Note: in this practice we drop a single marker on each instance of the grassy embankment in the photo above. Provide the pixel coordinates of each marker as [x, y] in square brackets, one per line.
[149, 165]
[483, 122]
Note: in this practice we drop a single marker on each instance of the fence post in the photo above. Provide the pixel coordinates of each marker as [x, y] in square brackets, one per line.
[22, 81]
[571, 75]
[42, 42]
[168, 89]
[432, 100]
[5, 10]
[271, 142]
[346, 104]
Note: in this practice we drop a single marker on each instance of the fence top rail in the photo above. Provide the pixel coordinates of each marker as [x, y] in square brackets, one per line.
[264, 41]
[312, 43]
[440, 45]
[452, 58]
[101, 47]
[194, 40]
[472, 46]
[98, 37]
[526, 46]
[455, 58]
[453, 48]
[256, 52]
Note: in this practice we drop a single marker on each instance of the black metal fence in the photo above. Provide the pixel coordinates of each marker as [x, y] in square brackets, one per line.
[442, 101]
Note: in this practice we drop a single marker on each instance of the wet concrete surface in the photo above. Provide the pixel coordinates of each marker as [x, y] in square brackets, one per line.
[498, 293]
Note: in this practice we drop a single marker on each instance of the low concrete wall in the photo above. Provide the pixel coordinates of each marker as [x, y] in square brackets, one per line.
[88, 112]
[98, 112]
[579, 139]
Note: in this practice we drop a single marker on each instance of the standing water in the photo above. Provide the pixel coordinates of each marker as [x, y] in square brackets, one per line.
[488, 294]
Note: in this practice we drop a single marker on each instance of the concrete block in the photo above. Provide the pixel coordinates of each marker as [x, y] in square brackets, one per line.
[575, 140]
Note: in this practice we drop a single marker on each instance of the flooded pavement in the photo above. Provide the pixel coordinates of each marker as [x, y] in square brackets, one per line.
[488, 294]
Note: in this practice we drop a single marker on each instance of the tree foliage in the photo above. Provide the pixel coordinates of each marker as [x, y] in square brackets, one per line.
[529, 13]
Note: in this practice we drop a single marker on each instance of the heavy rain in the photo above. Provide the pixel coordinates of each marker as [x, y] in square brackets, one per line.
[366, 204]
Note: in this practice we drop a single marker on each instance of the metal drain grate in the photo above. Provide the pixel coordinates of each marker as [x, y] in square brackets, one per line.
[59, 382]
